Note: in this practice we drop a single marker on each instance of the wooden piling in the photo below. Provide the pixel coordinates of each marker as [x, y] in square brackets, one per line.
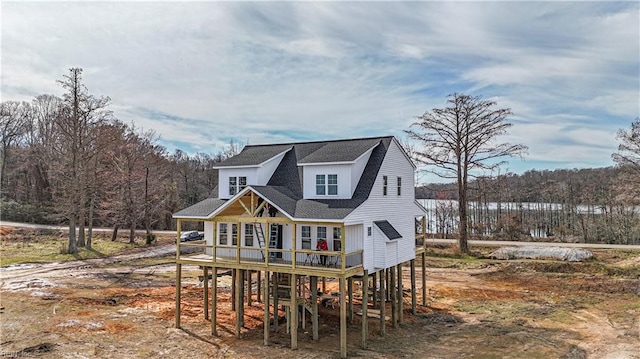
[365, 307]
[178, 289]
[214, 300]
[414, 298]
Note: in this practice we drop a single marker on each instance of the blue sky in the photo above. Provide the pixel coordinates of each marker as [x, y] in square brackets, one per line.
[203, 73]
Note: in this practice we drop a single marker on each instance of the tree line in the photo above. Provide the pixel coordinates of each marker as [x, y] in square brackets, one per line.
[68, 160]
[588, 205]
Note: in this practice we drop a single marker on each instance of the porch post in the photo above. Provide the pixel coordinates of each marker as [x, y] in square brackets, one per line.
[266, 308]
[259, 287]
[383, 299]
[233, 289]
[424, 279]
[393, 293]
[343, 257]
[238, 301]
[178, 230]
[400, 295]
[350, 290]
[343, 318]
[178, 286]
[249, 286]
[294, 243]
[238, 236]
[205, 291]
[374, 291]
[314, 306]
[293, 311]
[365, 307]
[214, 300]
[414, 299]
[276, 317]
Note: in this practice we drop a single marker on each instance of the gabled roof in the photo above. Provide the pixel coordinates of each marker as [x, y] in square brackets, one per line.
[284, 188]
[340, 151]
[388, 229]
[306, 152]
[254, 155]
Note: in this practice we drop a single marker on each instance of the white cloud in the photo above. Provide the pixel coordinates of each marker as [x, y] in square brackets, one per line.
[205, 72]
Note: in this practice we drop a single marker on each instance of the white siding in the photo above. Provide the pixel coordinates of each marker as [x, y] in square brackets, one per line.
[398, 210]
[225, 173]
[266, 170]
[344, 180]
[208, 236]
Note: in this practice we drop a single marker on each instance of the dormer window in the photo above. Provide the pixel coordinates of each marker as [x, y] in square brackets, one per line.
[236, 184]
[327, 185]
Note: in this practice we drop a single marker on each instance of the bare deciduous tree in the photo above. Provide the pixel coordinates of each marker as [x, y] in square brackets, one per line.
[77, 126]
[12, 126]
[628, 158]
[459, 141]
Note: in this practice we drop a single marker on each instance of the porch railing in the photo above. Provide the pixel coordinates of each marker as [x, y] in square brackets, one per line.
[273, 256]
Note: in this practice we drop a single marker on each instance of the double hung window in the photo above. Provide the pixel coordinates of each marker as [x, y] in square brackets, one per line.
[223, 234]
[248, 234]
[327, 185]
[237, 184]
[306, 237]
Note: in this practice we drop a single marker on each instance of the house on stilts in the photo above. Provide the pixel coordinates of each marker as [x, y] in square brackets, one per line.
[275, 202]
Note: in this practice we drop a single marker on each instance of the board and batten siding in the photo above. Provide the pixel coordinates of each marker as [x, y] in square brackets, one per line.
[398, 210]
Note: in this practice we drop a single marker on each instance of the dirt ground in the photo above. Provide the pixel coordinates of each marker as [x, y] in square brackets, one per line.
[476, 308]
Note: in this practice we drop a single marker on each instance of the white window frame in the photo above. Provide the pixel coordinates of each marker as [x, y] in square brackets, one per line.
[399, 186]
[321, 230]
[248, 234]
[237, 184]
[385, 182]
[234, 234]
[306, 237]
[327, 184]
[223, 234]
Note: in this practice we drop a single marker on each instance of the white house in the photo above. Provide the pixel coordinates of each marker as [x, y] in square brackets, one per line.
[275, 202]
[356, 191]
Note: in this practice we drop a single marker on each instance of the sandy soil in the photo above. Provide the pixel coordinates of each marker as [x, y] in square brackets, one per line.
[484, 309]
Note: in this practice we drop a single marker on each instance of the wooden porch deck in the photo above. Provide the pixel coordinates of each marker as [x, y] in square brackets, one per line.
[310, 266]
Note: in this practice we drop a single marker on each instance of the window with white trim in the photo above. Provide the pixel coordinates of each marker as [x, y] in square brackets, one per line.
[327, 185]
[222, 234]
[234, 234]
[248, 234]
[306, 237]
[322, 232]
[320, 185]
[337, 243]
[384, 185]
[237, 184]
[332, 185]
[399, 185]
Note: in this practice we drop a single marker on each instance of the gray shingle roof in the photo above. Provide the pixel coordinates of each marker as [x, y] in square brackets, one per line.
[387, 229]
[201, 209]
[306, 152]
[254, 155]
[340, 151]
[284, 188]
